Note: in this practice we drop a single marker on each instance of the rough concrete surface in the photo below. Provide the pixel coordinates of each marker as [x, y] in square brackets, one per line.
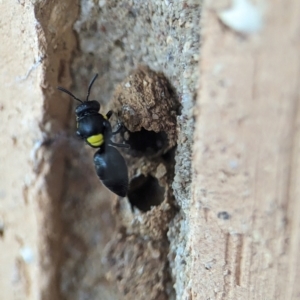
[244, 215]
[233, 233]
[48, 174]
[20, 110]
[145, 98]
[115, 38]
[32, 172]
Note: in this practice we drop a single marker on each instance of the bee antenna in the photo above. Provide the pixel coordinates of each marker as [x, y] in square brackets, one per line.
[90, 86]
[69, 93]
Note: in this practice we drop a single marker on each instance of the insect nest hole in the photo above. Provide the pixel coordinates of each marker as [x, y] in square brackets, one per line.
[146, 143]
[148, 189]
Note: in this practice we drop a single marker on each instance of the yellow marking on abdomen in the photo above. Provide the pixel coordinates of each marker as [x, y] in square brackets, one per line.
[104, 116]
[96, 140]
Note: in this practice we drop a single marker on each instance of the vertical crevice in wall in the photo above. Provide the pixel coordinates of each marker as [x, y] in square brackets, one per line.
[56, 44]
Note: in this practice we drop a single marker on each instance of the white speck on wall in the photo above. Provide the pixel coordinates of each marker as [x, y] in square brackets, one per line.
[33, 154]
[102, 3]
[27, 254]
[233, 164]
[217, 69]
[243, 17]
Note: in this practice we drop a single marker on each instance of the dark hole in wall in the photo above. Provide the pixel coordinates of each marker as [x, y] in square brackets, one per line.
[224, 215]
[145, 192]
[1, 230]
[169, 156]
[146, 142]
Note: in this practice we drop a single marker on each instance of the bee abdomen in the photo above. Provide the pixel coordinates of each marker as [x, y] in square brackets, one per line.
[112, 170]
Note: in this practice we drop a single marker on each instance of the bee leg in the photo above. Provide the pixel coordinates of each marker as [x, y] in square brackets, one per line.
[109, 114]
[119, 145]
[119, 129]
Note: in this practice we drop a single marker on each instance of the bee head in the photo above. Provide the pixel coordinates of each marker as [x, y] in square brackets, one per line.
[86, 106]
[92, 106]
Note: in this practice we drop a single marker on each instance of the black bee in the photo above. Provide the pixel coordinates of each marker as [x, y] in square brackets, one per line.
[96, 130]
